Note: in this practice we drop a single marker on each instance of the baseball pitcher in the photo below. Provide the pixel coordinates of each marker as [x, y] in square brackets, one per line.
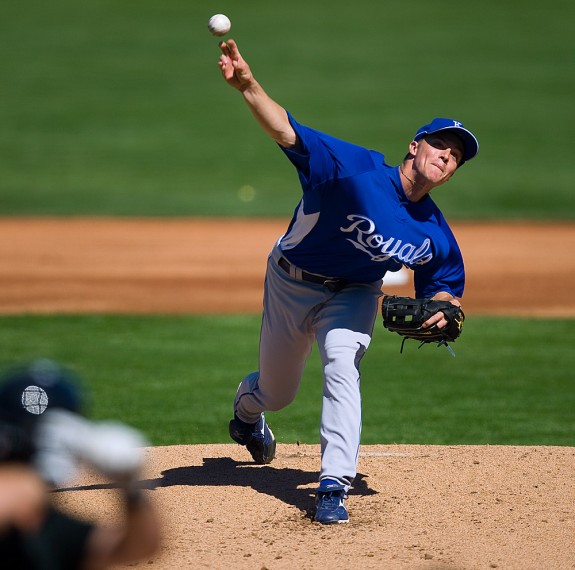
[357, 219]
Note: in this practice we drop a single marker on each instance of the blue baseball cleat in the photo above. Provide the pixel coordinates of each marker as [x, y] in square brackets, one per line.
[258, 438]
[329, 502]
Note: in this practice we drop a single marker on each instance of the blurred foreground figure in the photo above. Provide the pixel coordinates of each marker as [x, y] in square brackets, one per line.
[44, 439]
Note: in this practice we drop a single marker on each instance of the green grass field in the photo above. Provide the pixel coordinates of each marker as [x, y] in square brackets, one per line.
[175, 378]
[118, 107]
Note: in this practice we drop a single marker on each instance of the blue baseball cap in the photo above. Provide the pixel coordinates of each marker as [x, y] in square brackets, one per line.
[470, 143]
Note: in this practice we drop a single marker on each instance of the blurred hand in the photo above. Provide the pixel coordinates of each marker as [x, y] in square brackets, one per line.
[22, 497]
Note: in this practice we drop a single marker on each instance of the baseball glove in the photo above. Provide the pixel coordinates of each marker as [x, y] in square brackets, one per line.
[405, 316]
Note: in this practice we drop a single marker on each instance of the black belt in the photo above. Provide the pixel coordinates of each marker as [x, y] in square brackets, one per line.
[333, 285]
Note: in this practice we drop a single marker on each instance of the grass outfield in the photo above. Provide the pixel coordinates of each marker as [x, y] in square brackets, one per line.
[117, 108]
[175, 378]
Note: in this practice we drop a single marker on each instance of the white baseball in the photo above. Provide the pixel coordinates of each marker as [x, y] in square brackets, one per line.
[219, 25]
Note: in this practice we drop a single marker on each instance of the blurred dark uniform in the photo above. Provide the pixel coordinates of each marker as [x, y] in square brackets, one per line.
[58, 545]
[25, 393]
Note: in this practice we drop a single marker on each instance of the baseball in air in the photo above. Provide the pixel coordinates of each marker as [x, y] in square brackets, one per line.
[219, 25]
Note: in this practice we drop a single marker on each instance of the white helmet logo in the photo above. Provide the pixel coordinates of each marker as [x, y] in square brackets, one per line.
[456, 124]
[34, 400]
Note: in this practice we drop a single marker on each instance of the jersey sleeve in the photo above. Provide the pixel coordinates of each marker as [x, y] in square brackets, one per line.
[446, 274]
[319, 157]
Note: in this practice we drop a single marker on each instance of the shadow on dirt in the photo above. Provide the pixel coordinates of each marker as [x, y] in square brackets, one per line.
[281, 483]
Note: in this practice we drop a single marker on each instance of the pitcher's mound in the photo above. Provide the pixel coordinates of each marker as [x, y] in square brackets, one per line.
[412, 506]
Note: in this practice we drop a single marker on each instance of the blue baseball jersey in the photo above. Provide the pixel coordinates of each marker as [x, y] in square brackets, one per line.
[355, 222]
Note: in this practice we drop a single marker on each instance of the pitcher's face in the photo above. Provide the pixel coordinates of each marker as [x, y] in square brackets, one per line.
[437, 156]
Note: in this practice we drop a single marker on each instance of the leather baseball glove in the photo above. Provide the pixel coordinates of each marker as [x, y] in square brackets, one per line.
[405, 316]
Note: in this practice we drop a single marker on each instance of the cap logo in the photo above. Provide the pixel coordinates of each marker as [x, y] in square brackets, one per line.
[34, 400]
[456, 124]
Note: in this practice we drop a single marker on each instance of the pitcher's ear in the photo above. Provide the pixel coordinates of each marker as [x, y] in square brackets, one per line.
[413, 145]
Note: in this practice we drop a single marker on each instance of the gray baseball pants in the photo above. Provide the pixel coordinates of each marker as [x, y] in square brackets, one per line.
[295, 314]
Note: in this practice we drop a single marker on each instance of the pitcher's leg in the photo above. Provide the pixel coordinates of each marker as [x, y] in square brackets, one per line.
[340, 429]
[344, 334]
[272, 388]
[286, 339]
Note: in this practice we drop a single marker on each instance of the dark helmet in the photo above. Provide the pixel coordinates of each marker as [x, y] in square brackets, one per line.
[26, 392]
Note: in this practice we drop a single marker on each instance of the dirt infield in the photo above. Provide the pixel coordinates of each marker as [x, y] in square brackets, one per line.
[416, 507]
[188, 266]
[413, 507]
